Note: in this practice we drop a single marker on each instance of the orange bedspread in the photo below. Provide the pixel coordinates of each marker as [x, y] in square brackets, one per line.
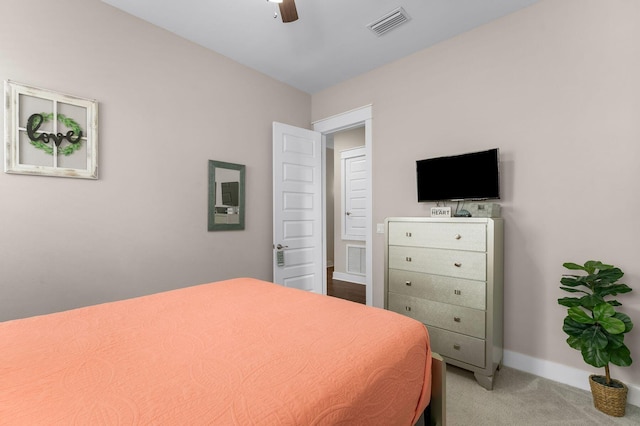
[237, 352]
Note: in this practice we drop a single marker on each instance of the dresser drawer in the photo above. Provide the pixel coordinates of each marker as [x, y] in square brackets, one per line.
[455, 318]
[455, 236]
[456, 291]
[452, 263]
[457, 346]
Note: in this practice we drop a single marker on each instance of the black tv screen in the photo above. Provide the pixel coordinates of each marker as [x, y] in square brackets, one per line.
[471, 176]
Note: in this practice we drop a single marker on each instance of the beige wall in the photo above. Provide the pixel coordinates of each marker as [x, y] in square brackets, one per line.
[166, 107]
[556, 87]
[346, 139]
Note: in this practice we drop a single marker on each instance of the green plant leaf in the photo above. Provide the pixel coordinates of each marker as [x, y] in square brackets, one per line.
[615, 341]
[620, 356]
[573, 266]
[603, 314]
[578, 315]
[594, 337]
[614, 303]
[628, 325]
[591, 265]
[570, 282]
[575, 342]
[603, 310]
[612, 325]
[594, 356]
[614, 290]
[569, 302]
[573, 328]
[591, 300]
[572, 290]
[609, 275]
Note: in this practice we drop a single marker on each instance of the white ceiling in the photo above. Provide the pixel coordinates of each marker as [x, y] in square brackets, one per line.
[328, 44]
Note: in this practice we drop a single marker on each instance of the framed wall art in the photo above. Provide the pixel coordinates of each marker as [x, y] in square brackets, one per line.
[49, 133]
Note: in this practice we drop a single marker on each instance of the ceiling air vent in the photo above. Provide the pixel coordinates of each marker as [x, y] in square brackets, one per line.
[389, 21]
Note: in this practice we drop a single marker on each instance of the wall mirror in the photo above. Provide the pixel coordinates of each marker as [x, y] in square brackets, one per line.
[226, 196]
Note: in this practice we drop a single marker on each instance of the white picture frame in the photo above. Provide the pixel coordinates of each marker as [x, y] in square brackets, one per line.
[49, 133]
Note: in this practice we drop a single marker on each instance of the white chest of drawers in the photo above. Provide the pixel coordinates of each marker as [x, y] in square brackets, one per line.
[448, 274]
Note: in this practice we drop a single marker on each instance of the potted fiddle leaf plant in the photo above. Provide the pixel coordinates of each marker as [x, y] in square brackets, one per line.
[596, 329]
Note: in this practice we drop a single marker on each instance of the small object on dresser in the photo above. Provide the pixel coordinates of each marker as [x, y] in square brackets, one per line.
[440, 211]
[462, 213]
[483, 209]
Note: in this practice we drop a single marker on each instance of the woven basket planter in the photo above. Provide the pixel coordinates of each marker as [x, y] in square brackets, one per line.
[609, 400]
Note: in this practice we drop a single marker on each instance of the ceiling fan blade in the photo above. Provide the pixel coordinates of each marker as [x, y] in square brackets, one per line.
[288, 11]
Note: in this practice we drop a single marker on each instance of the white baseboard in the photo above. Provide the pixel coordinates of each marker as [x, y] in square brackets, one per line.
[560, 373]
[350, 278]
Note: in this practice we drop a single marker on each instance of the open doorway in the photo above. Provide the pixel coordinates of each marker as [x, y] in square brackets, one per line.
[346, 201]
[329, 127]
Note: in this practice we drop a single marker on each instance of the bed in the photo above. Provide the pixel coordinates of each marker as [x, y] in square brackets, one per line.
[234, 352]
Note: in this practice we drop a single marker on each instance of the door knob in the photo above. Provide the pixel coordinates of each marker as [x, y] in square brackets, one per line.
[280, 247]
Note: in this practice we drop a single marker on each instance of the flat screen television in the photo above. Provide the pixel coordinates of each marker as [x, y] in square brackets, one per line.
[471, 176]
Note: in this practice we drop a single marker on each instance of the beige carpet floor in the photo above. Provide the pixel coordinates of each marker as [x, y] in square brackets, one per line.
[520, 398]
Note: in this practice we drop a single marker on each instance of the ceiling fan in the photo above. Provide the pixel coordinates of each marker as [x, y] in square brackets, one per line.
[288, 10]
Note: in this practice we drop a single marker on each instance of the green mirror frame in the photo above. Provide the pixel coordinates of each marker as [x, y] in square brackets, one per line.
[229, 216]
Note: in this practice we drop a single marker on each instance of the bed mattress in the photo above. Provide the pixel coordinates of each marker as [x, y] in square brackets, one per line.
[235, 352]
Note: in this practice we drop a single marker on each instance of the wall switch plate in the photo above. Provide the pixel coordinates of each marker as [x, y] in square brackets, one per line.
[380, 228]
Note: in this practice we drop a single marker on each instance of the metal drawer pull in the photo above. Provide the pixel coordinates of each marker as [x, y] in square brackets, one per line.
[407, 308]
[457, 292]
[407, 283]
[458, 236]
[408, 259]
[456, 319]
[457, 264]
[456, 346]
[408, 234]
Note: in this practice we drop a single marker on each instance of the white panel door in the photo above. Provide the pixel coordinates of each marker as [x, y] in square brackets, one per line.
[297, 208]
[354, 194]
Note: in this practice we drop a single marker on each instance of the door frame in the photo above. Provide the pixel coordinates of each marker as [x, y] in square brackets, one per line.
[358, 117]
